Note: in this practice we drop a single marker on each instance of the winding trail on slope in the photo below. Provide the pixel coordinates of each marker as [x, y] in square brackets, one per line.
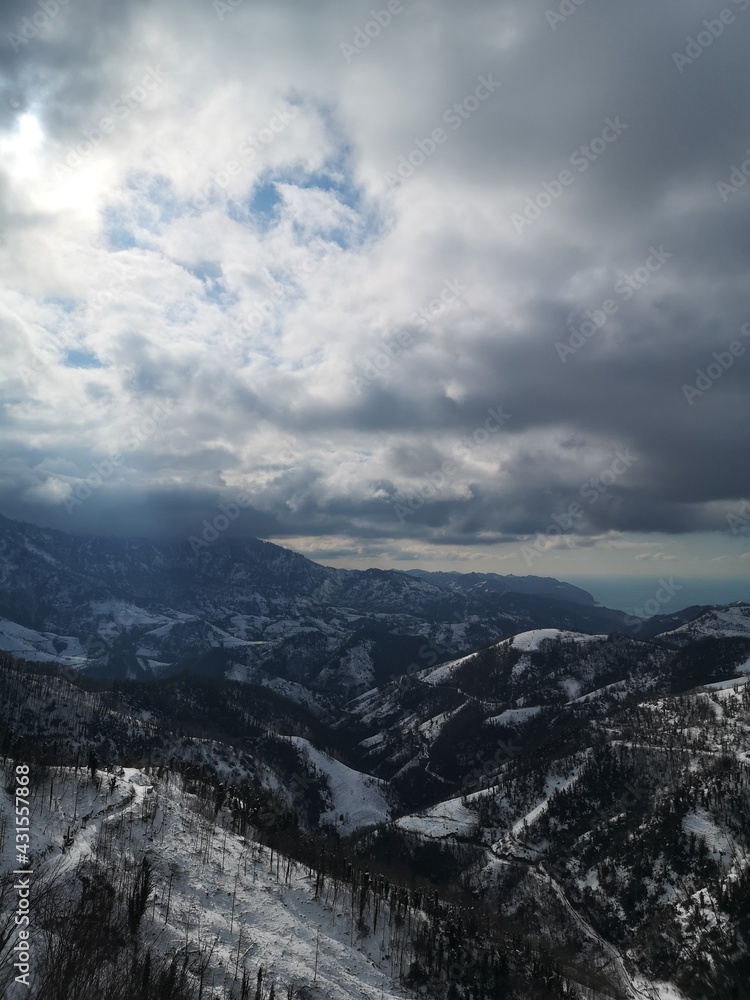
[616, 958]
[537, 870]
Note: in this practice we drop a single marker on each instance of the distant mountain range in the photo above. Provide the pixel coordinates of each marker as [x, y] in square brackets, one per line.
[138, 608]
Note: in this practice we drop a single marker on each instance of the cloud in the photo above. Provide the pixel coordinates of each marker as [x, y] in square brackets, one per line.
[208, 231]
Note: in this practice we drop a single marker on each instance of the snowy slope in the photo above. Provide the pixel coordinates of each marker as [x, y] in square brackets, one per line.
[444, 673]
[225, 893]
[528, 641]
[516, 716]
[41, 647]
[733, 620]
[359, 798]
[447, 819]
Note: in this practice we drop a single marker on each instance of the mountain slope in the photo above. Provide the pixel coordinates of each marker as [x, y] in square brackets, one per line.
[189, 877]
[142, 608]
[585, 797]
[537, 586]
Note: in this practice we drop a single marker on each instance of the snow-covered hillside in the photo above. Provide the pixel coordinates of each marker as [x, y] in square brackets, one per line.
[354, 799]
[554, 815]
[733, 620]
[219, 901]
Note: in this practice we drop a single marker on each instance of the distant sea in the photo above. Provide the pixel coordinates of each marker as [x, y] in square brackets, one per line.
[629, 593]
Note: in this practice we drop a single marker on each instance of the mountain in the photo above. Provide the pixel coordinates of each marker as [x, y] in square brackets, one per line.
[557, 814]
[710, 622]
[147, 608]
[468, 583]
[245, 771]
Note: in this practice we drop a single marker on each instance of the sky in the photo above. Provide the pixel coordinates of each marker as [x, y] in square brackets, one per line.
[414, 284]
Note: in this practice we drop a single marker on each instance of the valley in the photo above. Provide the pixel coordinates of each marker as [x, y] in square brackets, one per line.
[372, 797]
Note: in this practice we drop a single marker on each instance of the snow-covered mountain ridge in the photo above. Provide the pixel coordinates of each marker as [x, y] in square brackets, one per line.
[135, 608]
[438, 788]
[587, 795]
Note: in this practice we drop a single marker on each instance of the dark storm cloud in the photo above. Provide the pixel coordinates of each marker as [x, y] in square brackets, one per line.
[597, 313]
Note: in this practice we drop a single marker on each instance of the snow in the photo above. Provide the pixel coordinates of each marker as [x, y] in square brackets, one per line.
[355, 669]
[592, 879]
[42, 554]
[156, 667]
[732, 684]
[553, 783]
[442, 674]
[432, 728]
[530, 641]
[665, 991]
[722, 622]
[525, 641]
[221, 886]
[288, 689]
[373, 741]
[717, 840]
[246, 626]
[128, 615]
[40, 646]
[359, 798]
[513, 716]
[447, 819]
[288, 626]
[617, 687]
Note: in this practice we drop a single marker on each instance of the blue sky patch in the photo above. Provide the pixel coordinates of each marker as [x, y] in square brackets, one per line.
[82, 359]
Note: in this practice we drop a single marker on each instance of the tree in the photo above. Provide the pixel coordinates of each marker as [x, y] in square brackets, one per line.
[138, 897]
